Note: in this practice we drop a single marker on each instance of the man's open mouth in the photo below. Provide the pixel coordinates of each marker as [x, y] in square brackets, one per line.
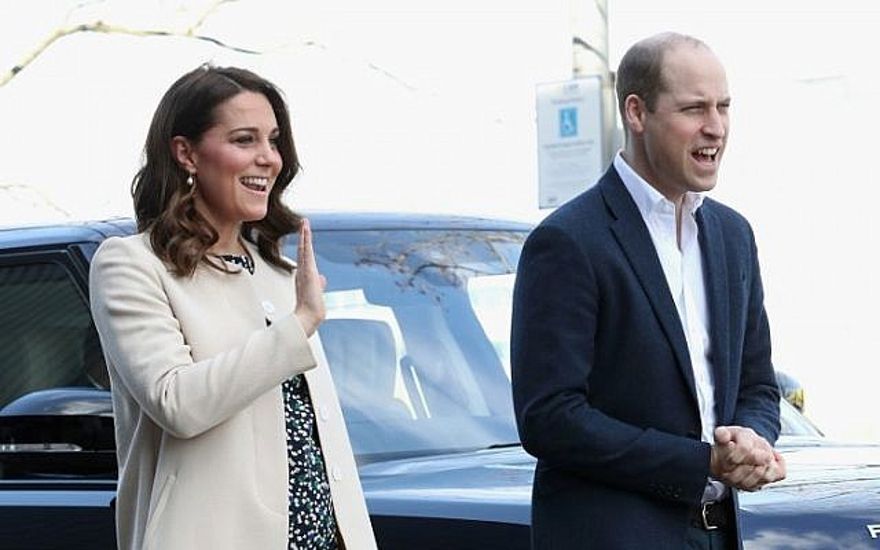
[706, 154]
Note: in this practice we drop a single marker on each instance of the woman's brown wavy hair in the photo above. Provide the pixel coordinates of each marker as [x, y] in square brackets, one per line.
[164, 203]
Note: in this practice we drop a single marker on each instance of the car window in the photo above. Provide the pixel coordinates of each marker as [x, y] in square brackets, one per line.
[794, 423]
[492, 299]
[416, 336]
[46, 332]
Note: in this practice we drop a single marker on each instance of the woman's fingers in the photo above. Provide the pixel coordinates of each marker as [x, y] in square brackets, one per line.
[309, 283]
[305, 253]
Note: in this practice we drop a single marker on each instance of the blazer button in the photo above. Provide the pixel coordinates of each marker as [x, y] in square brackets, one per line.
[336, 473]
[322, 414]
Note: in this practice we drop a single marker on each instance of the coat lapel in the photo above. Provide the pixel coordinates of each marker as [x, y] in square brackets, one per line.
[717, 294]
[631, 233]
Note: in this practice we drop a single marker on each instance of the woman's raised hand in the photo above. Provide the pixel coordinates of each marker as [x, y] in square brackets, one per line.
[310, 284]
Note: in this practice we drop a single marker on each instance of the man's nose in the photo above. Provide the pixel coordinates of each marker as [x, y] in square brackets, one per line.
[715, 124]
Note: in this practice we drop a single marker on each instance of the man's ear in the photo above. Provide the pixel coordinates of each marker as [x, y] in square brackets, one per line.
[182, 150]
[634, 109]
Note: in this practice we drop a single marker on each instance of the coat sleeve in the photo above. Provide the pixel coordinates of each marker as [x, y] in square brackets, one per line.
[143, 342]
[757, 405]
[556, 303]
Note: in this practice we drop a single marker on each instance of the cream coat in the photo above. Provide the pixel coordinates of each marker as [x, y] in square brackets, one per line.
[196, 379]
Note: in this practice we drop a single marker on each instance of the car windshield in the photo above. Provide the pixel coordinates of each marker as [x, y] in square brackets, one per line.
[417, 336]
[794, 423]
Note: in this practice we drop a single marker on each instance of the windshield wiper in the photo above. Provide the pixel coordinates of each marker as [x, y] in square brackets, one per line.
[504, 445]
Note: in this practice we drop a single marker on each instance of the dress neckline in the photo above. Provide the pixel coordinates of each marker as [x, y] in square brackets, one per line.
[242, 260]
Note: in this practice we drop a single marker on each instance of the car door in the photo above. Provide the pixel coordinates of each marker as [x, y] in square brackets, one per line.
[50, 494]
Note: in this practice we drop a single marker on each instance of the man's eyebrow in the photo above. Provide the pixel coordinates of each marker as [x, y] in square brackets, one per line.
[700, 100]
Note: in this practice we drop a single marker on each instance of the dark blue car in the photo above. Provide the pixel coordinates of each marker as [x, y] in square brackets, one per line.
[417, 338]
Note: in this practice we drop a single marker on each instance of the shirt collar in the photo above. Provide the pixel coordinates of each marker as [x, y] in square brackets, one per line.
[646, 197]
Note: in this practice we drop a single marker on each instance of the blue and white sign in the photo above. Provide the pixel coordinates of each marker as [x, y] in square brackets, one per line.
[568, 122]
[569, 138]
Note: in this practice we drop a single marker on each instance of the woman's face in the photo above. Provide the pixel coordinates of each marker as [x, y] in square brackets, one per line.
[236, 162]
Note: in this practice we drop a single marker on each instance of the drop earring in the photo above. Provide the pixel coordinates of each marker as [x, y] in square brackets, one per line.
[190, 180]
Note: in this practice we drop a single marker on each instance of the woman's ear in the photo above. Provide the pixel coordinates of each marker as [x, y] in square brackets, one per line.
[182, 150]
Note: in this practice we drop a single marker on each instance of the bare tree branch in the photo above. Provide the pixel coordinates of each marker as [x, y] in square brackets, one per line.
[190, 32]
[207, 13]
[384, 72]
[108, 28]
[12, 187]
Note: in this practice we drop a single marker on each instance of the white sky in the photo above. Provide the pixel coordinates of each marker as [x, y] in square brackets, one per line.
[430, 106]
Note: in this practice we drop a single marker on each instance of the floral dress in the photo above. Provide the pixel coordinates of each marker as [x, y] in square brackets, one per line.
[312, 523]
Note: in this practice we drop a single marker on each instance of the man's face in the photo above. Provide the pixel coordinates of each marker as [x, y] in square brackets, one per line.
[685, 135]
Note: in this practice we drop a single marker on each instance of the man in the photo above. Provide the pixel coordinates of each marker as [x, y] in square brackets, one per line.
[642, 378]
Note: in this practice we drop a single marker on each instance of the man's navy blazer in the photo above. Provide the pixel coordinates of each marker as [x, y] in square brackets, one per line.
[602, 381]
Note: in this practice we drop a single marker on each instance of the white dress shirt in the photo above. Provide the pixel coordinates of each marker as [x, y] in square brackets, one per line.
[682, 265]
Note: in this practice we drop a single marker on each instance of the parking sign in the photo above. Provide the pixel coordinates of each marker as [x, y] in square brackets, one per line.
[569, 138]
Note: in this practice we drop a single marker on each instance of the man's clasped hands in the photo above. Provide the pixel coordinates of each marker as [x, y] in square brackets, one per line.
[743, 459]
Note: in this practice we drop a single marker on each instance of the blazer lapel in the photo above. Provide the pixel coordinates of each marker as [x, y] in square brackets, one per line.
[631, 233]
[717, 294]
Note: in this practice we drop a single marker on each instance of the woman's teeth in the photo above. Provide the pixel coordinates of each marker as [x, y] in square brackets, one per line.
[257, 184]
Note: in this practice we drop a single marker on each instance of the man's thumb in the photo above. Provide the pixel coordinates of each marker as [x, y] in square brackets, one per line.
[723, 435]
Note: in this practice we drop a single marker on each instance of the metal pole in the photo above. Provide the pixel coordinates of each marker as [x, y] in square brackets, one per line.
[589, 31]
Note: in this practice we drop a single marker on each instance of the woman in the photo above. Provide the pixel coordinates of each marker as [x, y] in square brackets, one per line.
[227, 434]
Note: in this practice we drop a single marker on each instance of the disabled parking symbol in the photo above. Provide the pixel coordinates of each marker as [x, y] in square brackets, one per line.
[568, 123]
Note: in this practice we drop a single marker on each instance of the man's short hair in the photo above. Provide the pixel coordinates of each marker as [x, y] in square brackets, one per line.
[641, 68]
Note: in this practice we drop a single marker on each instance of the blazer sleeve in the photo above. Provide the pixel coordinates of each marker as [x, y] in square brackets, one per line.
[757, 405]
[556, 300]
[143, 342]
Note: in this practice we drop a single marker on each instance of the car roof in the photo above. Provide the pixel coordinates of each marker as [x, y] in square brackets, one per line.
[29, 236]
[345, 221]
